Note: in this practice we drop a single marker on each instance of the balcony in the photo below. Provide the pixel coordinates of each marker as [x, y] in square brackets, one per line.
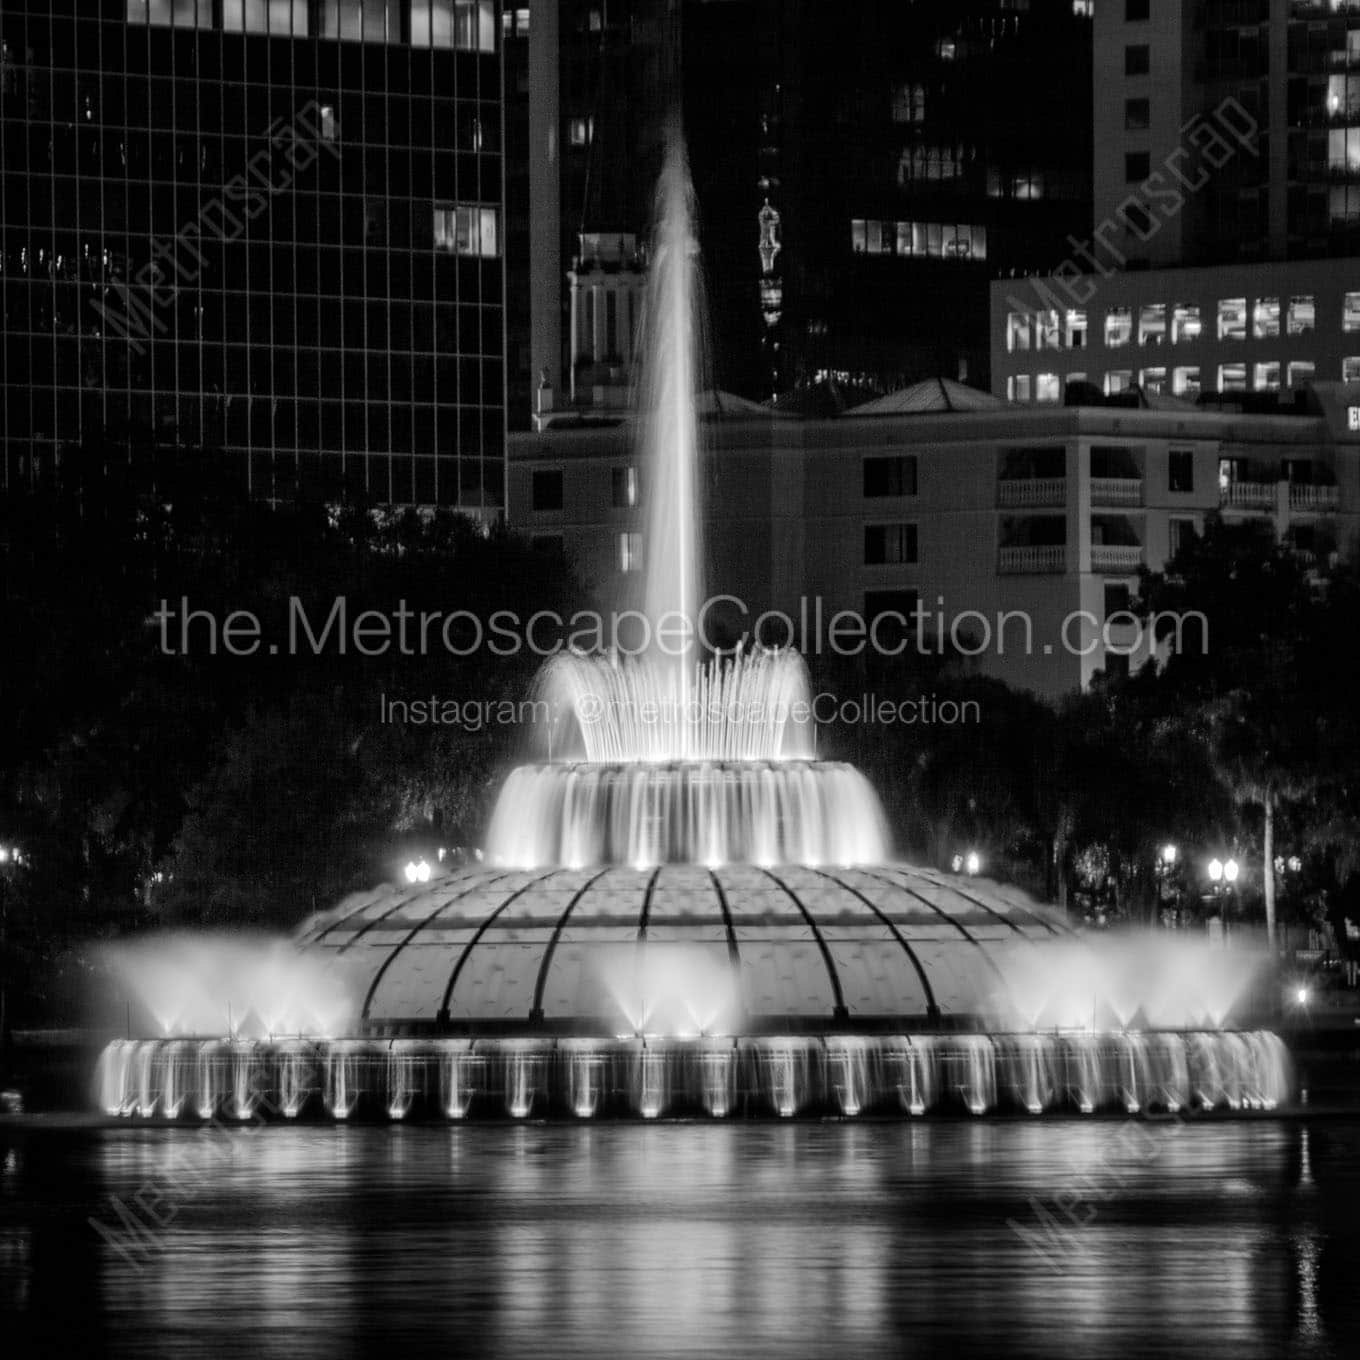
[1317, 500]
[1034, 560]
[1247, 496]
[1124, 558]
[1025, 492]
[1126, 491]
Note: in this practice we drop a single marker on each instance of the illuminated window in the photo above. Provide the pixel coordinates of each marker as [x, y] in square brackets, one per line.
[1266, 377]
[630, 552]
[1232, 319]
[624, 487]
[876, 239]
[887, 545]
[1076, 328]
[1185, 381]
[1232, 377]
[1301, 315]
[1118, 327]
[580, 131]
[1350, 312]
[909, 104]
[1152, 324]
[1185, 323]
[1265, 319]
[180, 13]
[1046, 333]
[1152, 379]
[1047, 387]
[328, 122]
[858, 235]
[1017, 332]
[1299, 373]
[468, 229]
[466, 24]
[1018, 387]
[361, 20]
[1350, 369]
[1117, 381]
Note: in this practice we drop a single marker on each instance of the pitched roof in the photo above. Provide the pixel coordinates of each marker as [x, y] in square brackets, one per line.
[934, 394]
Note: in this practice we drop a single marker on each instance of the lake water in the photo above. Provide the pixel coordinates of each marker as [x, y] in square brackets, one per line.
[993, 1238]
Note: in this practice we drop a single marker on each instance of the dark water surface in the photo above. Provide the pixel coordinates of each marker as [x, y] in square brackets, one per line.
[1198, 1239]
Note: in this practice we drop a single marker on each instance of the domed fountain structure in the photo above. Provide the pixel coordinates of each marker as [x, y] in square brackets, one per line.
[685, 912]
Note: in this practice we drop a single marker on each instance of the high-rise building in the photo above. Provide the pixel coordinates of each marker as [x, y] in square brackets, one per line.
[267, 234]
[858, 182]
[1224, 258]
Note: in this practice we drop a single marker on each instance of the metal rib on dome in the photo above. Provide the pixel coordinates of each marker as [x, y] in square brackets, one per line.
[611, 949]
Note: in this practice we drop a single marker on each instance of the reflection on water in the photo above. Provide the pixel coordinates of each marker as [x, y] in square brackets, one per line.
[627, 1240]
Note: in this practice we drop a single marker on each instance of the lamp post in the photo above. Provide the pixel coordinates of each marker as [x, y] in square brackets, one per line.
[1223, 875]
[1165, 868]
[11, 859]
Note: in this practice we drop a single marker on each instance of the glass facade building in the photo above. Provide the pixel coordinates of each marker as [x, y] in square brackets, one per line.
[266, 234]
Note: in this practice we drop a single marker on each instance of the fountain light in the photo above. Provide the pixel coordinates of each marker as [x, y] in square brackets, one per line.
[973, 863]
[417, 871]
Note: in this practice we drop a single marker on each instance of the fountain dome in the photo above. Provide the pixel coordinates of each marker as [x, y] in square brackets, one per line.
[680, 948]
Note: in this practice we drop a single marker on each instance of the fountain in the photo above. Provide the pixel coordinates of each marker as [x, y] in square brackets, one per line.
[684, 912]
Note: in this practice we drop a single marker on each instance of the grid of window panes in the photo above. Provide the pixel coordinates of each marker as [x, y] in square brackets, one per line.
[1286, 322]
[269, 228]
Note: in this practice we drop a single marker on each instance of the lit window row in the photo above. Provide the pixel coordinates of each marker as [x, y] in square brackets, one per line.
[466, 24]
[935, 240]
[467, 229]
[1159, 323]
[1184, 381]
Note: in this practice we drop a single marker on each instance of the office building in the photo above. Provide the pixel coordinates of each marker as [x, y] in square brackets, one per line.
[1019, 531]
[262, 235]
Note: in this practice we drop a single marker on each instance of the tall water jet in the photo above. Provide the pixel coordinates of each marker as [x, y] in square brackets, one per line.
[672, 330]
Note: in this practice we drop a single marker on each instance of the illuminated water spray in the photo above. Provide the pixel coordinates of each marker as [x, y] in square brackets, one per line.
[672, 330]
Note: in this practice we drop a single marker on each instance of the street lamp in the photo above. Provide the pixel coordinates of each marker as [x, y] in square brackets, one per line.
[1215, 871]
[1169, 855]
[973, 863]
[418, 871]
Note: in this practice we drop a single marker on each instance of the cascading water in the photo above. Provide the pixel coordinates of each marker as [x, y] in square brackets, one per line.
[668, 759]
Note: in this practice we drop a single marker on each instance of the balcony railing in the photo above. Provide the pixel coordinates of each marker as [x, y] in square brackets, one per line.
[1046, 558]
[1320, 499]
[1116, 556]
[1116, 491]
[1248, 495]
[1014, 492]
